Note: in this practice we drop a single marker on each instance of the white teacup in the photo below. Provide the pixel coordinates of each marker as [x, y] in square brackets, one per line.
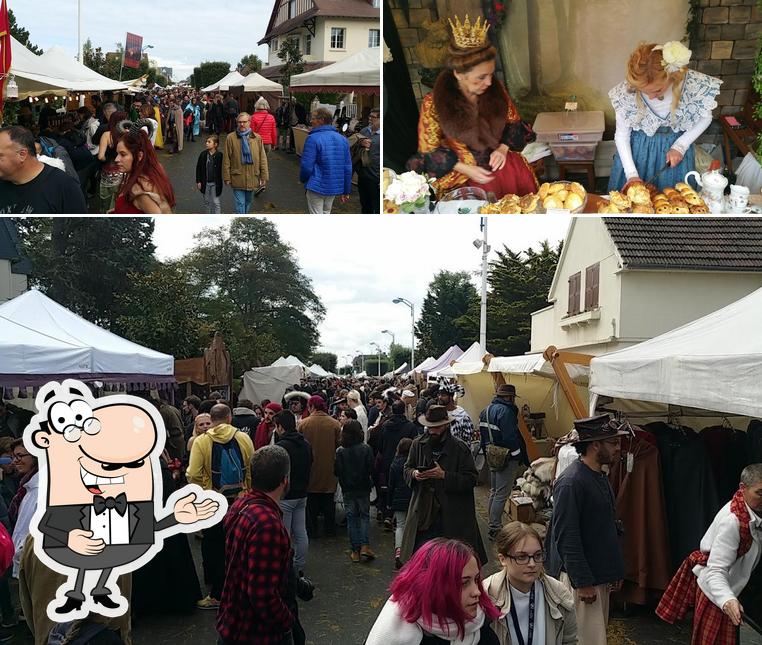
[738, 199]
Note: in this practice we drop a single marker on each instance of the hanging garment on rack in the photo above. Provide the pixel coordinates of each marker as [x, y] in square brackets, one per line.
[727, 448]
[641, 507]
[754, 441]
[690, 492]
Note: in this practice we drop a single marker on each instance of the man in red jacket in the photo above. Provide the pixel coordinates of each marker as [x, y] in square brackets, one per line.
[266, 427]
[254, 608]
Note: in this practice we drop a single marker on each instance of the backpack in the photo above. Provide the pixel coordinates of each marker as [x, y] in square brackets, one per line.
[6, 549]
[228, 472]
[83, 632]
[51, 148]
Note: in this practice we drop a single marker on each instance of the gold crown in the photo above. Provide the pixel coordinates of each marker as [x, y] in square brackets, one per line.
[468, 36]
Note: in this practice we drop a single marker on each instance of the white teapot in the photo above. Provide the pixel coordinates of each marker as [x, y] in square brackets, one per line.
[712, 184]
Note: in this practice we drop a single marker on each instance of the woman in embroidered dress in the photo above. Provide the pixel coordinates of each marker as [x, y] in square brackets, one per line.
[523, 585]
[437, 598]
[661, 109]
[469, 124]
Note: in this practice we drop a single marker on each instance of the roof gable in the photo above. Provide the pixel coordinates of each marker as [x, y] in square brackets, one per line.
[10, 248]
[323, 9]
[692, 244]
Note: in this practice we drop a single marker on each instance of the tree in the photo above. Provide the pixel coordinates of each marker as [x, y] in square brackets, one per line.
[399, 355]
[94, 58]
[371, 366]
[83, 263]
[326, 360]
[449, 297]
[21, 34]
[209, 72]
[519, 284]
[250, 63]
[249, 286]
[293, 62]
[158, 310]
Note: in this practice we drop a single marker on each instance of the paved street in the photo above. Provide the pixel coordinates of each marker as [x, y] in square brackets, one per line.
[349, 596]
[284, 194]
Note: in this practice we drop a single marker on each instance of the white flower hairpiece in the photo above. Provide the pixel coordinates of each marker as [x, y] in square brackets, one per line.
[675, 56]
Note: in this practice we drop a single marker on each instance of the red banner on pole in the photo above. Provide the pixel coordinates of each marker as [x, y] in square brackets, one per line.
[5, 49]
[133, 51]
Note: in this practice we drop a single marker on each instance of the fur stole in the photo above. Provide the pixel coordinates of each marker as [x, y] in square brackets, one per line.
[480, 128]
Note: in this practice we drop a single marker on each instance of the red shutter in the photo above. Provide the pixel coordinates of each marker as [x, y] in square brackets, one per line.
[592, 274]
[574, 293]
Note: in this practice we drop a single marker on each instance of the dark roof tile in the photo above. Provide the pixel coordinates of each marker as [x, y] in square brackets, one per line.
[713, 244]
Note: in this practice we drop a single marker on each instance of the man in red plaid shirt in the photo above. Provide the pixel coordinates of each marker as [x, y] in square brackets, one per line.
[258, 555]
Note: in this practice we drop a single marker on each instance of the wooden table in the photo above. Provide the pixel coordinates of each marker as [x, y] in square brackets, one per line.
[744, 139]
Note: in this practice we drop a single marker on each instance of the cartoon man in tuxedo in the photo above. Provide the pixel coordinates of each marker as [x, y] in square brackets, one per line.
[100, 494]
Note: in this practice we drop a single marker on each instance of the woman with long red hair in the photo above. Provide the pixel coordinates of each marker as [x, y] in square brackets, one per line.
[146, 187]
[437, 598]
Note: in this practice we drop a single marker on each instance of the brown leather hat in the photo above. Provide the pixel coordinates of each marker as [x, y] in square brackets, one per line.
[506, 389]
[598, 428]
[435, 416]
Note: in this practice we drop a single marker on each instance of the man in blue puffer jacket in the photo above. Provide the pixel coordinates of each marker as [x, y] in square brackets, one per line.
[499, 425]
[326, 164]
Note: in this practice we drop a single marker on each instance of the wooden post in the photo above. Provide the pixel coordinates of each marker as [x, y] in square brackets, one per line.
[558, 360]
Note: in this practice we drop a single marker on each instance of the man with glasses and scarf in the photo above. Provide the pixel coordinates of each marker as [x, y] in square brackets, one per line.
[244, 164]
[583, 544]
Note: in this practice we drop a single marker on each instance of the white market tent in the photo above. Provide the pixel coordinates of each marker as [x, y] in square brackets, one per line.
[84, 78]
[257, 83]
[358, 73]
[450, 355]
[469, 363]
[269, 382]
[317, 370]
[54, 73]
[535, 383]
[224, 84]
[713, 363]
[423, 365]
[400, 369]
[41, 340]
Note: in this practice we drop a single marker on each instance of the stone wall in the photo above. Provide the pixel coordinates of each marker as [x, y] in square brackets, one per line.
[411, 33]
[726, 46]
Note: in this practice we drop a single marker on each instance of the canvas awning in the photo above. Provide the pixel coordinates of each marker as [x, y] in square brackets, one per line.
[269, 382]
[469, 363]
[359, 73]
[224, 84]
[55, 72]
[451, 354]
[713, 363]
[41, 341]
[257, 83]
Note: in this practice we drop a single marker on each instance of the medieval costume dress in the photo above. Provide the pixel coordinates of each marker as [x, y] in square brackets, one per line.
[451, 129]
[646, 129]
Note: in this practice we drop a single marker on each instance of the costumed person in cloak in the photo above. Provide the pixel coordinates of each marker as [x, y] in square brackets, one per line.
[711, 579]
[469, 125]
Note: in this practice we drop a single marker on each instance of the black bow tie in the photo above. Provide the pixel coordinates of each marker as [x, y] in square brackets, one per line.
[101, 504]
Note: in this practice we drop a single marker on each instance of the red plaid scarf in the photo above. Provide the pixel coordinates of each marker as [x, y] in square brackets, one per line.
[710, 625]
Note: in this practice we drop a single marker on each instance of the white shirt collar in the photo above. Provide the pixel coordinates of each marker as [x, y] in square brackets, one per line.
[755, 521]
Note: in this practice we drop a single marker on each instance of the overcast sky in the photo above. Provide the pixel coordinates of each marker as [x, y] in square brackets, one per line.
[359, 264]
[183, 33]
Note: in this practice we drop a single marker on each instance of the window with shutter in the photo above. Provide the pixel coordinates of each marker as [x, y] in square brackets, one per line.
[574, 293]
[592, 274]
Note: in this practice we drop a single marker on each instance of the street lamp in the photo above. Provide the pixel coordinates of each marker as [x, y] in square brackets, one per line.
[348, 358]
[378, 348]
[485, 248]
[397, 301]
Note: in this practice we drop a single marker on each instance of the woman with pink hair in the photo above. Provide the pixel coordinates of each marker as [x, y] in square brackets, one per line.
[437, 598]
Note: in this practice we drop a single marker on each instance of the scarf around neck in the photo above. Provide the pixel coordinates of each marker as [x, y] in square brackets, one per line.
[245, 147]
[391, 629]
[739, 509]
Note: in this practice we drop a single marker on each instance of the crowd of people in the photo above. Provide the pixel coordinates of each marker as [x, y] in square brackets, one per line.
[347, 452]
[103, 156]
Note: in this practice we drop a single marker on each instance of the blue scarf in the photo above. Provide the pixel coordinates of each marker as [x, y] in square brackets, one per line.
[245, 149]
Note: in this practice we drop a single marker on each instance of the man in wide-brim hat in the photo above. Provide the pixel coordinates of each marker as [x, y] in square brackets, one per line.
[499, 426]
[440, 471]
[584, 546]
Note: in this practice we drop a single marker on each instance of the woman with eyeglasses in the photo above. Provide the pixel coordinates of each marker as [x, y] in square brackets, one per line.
[24, 503]
[535, 609]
